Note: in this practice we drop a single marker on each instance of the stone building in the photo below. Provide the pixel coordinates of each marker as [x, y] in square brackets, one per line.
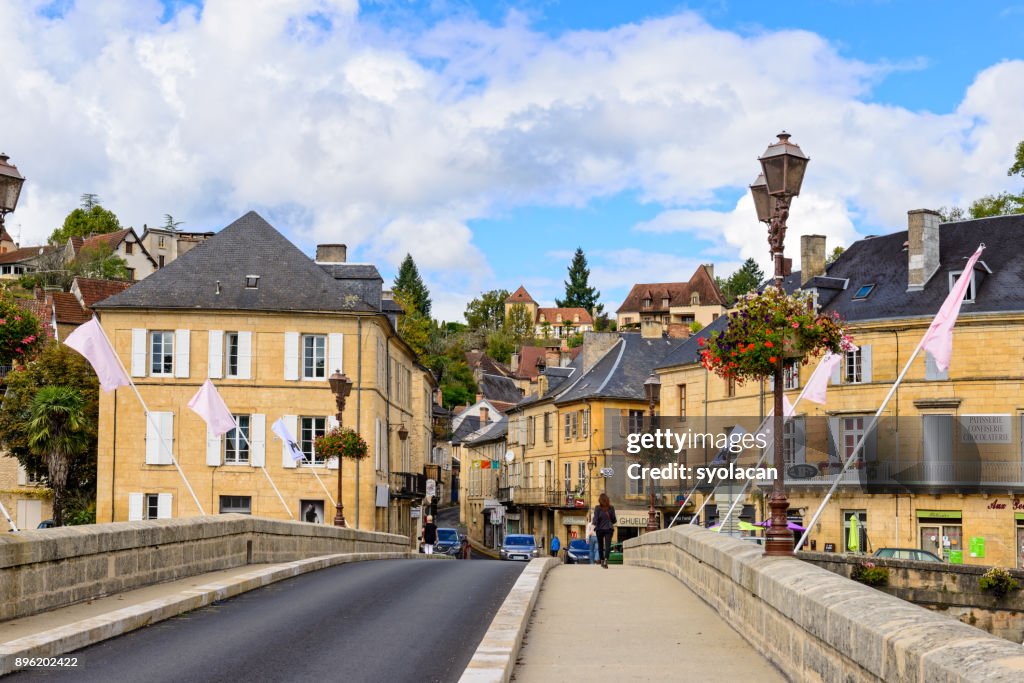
[559, 323]
[673, 303]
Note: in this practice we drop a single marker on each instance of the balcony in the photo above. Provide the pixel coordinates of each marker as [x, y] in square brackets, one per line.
[540, 496]
[408, 485]
[506, 494]
[918, 476]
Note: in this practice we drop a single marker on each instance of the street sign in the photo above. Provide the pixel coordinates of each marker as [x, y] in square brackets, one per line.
[431, 488]
[607, 472]
[802, 471]
[416, 512]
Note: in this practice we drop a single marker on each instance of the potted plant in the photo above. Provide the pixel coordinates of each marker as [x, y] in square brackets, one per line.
[341, 442]
[870, 574]
[998, 581]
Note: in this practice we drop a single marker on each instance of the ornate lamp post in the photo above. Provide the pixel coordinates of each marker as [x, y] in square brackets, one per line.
[341, 387]
[782, 173]
[652, 390]
[591, 465]
[10, 187]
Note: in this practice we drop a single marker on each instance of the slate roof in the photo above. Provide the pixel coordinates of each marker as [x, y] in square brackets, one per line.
[689, 351]
[520, 296]
[558, 379]
[468, 425]
[500, 389]
[621, 372]
[678, 294]
[288, 279]
[493, 431]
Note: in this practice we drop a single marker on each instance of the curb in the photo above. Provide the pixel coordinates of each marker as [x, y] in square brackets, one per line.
[489, 552]
[79, 634]
[495, 657]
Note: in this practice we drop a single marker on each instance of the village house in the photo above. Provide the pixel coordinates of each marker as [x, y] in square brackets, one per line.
[560, 323]
[674, 303]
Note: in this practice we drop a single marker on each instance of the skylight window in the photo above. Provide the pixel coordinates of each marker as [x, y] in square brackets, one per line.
[864, 292]
[252, 281]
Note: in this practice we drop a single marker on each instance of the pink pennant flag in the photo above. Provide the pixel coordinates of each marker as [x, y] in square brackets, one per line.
[208, 405]
[938, 340]
[817, 385]
[90, 341]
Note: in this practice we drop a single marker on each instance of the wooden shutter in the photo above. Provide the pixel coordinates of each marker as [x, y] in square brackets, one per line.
[139, 352]
[134, 507]
[214, 449]
[865, 363]
[332, 422]
[292, 423]
[245, 355]
[163, 506]
[931, 370]
[335, 353]
[800, 435]
[291, 355]
[181, 351]
[376, 445]
[160, 425]
[258, 440]
[215, 362]
[838, 370]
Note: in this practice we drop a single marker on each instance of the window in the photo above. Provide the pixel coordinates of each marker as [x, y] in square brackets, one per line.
[853, 370]
[861, 537]
[128, 247]
[314, 356]
[231, 358]
[310, 428]
[664, 302]
[236, 442]
[252, 281]
[238, 504]
[152, 510]
[931, 370]
[635, 487]
[853, 431]
[531, 435]
[161, 353]
[547, 427]
[791, 374]
[160, 259]
[647, 302]
[586, 422]
[568, 427]
[131, 274]
[635, 421]
[581, 475]
[969, 293]
[682, 400]
[567, 468]
[730, 387]
[162, 242]
[864, 292]
[695, 299]
[789, 442]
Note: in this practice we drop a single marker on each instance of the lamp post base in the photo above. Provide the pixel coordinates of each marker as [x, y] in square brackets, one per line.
[339, 517]
[652, 517]
[779, 539]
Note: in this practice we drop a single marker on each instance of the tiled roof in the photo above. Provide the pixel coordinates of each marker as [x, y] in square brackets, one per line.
[40, 308]
[478, 360]
[531, 360]
[112, 239]
[67, 309]
[5, 236]
[23, 254]
[520, 296]
[550, 316]
[212, 276]
[621, 372]
[95, 291]
[677, 293]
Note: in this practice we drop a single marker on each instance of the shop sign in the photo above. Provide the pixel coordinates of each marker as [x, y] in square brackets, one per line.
[570, 520]
[635, 518]
[416, 512]
[977, 546]
[513, 516]
[940, 514]
[986, 429]
[956, 556]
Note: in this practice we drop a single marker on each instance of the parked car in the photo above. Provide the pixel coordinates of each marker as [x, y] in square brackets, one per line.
[448, 542]
[46, 524]
[907, 554]
[577, 552]
[518, 547]
[615, 554]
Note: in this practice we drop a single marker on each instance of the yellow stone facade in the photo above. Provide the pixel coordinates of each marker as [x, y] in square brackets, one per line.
[389, 392]
[27, 502]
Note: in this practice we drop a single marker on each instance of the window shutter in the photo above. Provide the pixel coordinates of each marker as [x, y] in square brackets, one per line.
[837, 371]
[215, 364]
[870, 441]
[163, 506]
[159, 425]
[376, 445]
[213, 449]
[800, 433]
[833, 439]
[931, 370]
[865, 363]
[258, 440]
[245, 355]
[181, 349]
[22, 475]
[291, 355]
[134, 507]
[332, 422]
[335, 353]
[138, 353]
[292, 423]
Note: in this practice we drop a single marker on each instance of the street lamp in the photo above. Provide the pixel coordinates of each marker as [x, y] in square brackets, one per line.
[652, 390]
[10, 187]
[341, 387]
[783, 166]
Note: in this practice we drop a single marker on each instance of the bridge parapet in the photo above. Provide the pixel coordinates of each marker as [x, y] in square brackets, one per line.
[48, 568]
[816, 625]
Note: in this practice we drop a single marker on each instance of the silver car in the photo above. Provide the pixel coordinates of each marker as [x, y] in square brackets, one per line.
[518, 547]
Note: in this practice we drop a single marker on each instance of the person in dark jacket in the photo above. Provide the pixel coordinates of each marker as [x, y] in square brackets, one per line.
[604, 525]
[429, 535]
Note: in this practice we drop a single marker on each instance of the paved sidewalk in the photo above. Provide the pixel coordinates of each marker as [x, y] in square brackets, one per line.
[630, 624]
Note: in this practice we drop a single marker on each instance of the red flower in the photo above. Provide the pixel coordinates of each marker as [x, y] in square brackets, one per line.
[772, 359]
[769, 345]
[700, 342]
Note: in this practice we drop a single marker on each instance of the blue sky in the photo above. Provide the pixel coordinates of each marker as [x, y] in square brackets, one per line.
[490, 139]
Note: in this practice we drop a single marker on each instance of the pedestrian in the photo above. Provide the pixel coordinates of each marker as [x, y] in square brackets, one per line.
[556, 545]
[429, 535]
[604, 525]
[592, 539]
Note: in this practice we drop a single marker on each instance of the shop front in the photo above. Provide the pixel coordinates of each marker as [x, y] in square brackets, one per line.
[632, 523]
[941, 533]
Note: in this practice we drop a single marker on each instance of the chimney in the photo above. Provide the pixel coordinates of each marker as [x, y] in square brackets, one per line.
[710, 267]
[479, 397]
[922, 247]
[595, 345]
[331, 253]
[812, 257]
[552, 356]
[515, 363]
[542, 384]
[679, 330]
[484, 414]
[650, 329]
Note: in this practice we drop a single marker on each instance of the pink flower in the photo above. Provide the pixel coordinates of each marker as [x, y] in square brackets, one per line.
[796, 325]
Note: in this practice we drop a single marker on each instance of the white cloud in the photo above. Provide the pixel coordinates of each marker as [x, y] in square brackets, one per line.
[395, 140]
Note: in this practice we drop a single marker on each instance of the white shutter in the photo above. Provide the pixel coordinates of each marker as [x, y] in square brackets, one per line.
[258, 440]
[800, 432]
[245, 355]
[214, 450]
[163, 506]
[138, 352]
[931, 370]
[335, 353]
[837, 371]
[376, 446]
[181, 350]
[159, 425]
[865, 363]
[22, 475]
[215, 367]
[291, 355]
[134, 507]
[292, 423]
[332, 422]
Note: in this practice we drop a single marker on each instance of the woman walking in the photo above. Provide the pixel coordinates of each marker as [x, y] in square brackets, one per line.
[604, 526]
[591, 539]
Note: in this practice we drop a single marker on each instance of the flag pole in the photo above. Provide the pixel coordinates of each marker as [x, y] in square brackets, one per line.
[14, 527]
[956, 291]
[267, 474]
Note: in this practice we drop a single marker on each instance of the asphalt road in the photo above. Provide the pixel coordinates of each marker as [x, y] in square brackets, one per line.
[389, 620]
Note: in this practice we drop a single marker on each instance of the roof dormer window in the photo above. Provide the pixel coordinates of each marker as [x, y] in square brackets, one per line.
[969, 294]
[252, 281]
[695, 299]
[664, 302]
[647, 302]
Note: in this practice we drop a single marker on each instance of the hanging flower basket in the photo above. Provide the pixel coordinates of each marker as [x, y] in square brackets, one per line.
[767, 327]
[341, 442]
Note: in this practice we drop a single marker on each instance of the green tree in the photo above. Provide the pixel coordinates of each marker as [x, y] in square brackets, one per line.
[90, 218]
[56, 365]
[416, 329]
[170, 223]
[487, 311]
[747, 278]
[20, 333]
[410, 283]
[519, 323]
[57, 433]
[578, 292]
[100, 263]
[500, 345]
[836, 253]
[1004, 203]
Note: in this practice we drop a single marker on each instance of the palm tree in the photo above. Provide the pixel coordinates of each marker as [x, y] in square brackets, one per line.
[57, 432]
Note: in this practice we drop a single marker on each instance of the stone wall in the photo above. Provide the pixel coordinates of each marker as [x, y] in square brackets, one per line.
[951, 589]
[49, 568]
[817, 626]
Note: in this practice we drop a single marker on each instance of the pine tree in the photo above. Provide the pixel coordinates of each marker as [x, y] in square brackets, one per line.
[411, 285]
[578, 292]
